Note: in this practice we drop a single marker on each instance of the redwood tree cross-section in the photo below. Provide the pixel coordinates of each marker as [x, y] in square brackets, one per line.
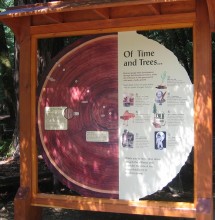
[79, 97]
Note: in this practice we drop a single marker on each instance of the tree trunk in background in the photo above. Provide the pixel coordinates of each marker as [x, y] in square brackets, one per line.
[16, 89]
[47, 49]
[6, 71]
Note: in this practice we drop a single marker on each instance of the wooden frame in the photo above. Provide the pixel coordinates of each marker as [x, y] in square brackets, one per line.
[28, 201]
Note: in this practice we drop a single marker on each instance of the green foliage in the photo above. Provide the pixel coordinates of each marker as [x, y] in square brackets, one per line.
[7, 95]
[10, 43]
[8, 33]
[5, 4]
[5, 148]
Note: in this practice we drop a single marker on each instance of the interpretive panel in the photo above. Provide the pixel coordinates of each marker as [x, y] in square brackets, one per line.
[155, 116]
[115, 116]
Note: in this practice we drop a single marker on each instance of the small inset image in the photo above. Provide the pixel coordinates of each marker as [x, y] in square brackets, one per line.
[127, 139]
[159, 118]
[160, 140]
[163, 79]
[126, 117]
[160, 97]
[128, 100]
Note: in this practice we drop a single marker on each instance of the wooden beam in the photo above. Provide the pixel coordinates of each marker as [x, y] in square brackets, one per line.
[157, 208]
[130, 11]
[24, 101]
[211, 11]
[64, 6]
[15, 26]
[55, 18]
[34, 148]
[111, 25]
[23, 208]
[155, 9]
[203, 165]
[103, 13]
[178, 7]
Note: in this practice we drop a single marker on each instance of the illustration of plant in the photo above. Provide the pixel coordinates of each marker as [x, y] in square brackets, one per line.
[163, 77]
[154, 111]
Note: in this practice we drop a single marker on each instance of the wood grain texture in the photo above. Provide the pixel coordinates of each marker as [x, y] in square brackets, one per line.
[157, 208]
[203, 114]
[23, 209]
[85, 81]
[74, 5]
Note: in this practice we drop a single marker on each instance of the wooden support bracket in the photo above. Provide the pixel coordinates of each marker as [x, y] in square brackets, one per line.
[22, 206]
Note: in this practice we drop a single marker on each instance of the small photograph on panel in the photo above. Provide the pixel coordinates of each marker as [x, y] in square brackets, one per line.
[127, 139]
[160, 140]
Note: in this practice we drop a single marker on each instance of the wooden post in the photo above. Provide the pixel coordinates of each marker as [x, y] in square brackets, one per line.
[203, 113]
[23, 208]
